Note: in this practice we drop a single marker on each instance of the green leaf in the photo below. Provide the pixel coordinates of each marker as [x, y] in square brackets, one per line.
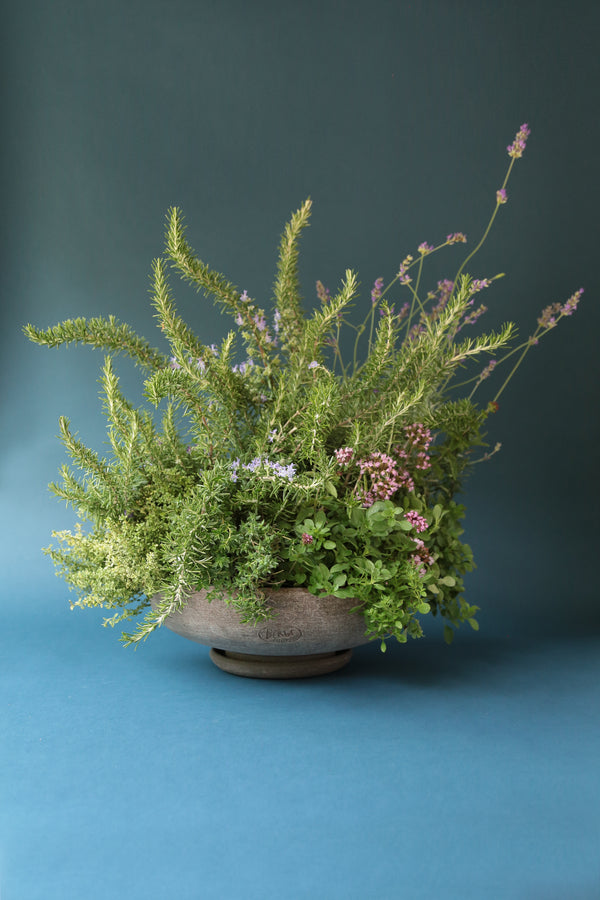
[474, 624]
[329, 545]
[448, 634]
[448, 580]
[331, 488]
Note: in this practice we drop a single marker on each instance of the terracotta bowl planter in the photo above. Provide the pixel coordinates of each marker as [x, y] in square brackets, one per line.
[308, 636]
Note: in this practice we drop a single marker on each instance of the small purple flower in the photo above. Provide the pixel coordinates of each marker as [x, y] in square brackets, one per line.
[518, 145]
[313, 365]
[376, 290]
[478, 284]
[571, 304]
[244, 297]
[322, 292]
[307, 538]
[288, 471]
[173, 364]
[253, 465]
[501, 196]
[276, 321]
[404, 311]
[457, 237]
[243, 367]
[260, 322]
[403, 276]
[472, 317]
[239, 319]
[425, 248]
[488, 370]
[549, 314]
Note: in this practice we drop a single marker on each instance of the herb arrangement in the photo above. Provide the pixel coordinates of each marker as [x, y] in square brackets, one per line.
[271, 460]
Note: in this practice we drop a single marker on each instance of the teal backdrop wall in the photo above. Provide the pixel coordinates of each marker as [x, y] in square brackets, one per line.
[426, 773]
[394, 117]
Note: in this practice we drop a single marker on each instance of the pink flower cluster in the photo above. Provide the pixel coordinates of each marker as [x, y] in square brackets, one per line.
[382, 475]
[344, 455]
[421, 557]
[418, 441]
[418, 522]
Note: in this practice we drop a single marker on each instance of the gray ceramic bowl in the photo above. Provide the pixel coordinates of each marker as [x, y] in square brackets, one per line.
[308, 636]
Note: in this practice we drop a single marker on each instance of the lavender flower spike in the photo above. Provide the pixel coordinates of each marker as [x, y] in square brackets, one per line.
[376, 291]
[518, 145]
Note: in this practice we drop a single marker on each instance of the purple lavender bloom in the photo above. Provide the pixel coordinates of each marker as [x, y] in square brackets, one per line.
[322, 292]
[425, 248]
[488, 370]
[548, 316]
[472, 317]
[518, 145]
[571, 304]
[501, 196]
[376, 290]
[403, 276]
[457, 237]
[478, 284]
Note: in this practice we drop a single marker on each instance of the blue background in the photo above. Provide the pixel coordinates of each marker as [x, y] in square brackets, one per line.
[430, 772]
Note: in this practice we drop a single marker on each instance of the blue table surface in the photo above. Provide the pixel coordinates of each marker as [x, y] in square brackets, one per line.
[426, 772]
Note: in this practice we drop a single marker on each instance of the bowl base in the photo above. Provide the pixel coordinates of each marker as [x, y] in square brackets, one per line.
[250, 665]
